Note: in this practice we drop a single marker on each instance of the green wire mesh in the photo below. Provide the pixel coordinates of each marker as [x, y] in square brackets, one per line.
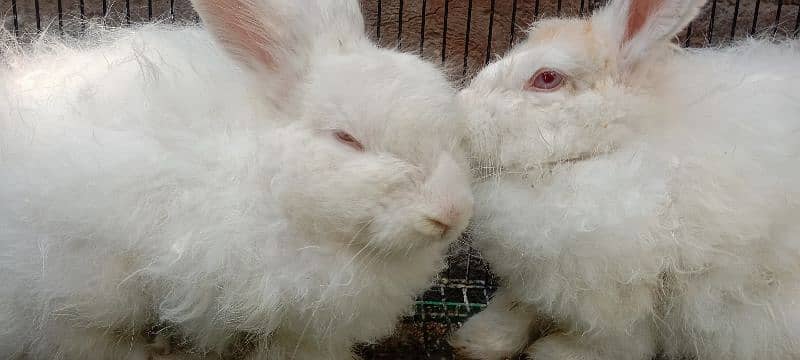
[460, 292]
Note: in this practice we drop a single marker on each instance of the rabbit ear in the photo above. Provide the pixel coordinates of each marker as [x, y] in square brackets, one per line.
[278, 36]
[642, 25]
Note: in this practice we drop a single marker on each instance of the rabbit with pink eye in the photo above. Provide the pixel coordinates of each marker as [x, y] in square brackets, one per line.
[277, 178]
[637, 198]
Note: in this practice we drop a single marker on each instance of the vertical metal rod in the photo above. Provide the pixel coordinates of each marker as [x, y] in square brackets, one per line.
[82, 10]
[580, 12]
[735, 18]
[466, 272]
[711, 21]
[400, 25]
[445, 312]
[149, 10]
[513, 22]
[378, 22]
[38, 15]
[448, 274]
[60, 9]
[466, 41]
[14, 17]
[172, 10]
[777, 17]
[422, 27]
[797, 21]
[128, 12]
[536, 10]
[444, 30]
[688, 35]
[491, 26]
[444, 300]
[425, 334]
[105, 8]
[558, 8]
[486, 281]
[755, 18]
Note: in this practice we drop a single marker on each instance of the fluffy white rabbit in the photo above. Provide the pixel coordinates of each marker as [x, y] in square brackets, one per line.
[297, 194]
[637, 198]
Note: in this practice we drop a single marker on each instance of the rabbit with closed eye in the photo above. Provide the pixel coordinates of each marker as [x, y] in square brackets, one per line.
[277, 178]
[637, 198]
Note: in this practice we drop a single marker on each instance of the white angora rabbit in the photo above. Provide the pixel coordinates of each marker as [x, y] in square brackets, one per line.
[635, 197]
[297, 194]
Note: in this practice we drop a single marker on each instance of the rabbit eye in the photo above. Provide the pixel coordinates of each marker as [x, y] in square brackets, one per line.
[347, 139]
[545, 80]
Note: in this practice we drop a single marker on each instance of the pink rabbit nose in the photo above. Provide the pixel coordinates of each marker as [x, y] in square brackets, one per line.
[449, 200]
[439, 226]
[442, 223]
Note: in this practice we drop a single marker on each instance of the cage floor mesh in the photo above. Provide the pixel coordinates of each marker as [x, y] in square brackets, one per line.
[460, 292]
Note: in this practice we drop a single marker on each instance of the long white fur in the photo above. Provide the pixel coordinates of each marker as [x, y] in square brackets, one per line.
[148, 179]
[643, 208]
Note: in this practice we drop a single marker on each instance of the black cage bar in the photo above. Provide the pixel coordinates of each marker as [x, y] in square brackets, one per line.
[463, 34]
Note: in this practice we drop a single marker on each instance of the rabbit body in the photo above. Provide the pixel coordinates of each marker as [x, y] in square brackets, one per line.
[638, 211]
[149, 179]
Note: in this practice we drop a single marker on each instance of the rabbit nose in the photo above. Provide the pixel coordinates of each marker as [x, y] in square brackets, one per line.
[434, 227]
[437, 226]
[450, 199]
[440, 224]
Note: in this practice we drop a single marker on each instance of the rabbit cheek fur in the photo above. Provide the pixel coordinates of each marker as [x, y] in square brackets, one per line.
[393, 189]
[648, 204]
[216, 199]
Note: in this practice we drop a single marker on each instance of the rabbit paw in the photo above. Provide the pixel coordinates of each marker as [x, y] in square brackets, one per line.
[479, 342]
[496, 333]
[560, 347]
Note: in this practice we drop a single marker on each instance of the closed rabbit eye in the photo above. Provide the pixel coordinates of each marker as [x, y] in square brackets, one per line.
[347, 139]
[545, 80]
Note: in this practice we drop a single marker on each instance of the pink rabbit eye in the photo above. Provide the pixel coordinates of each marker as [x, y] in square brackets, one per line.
[347, 139]
[545, 80]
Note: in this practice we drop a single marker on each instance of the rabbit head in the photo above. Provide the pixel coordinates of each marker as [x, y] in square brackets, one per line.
[372, 158]
[574, 88]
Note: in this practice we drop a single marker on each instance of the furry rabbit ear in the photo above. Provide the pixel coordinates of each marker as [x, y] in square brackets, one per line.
[278, 36]
[260, 37]
[639, 26]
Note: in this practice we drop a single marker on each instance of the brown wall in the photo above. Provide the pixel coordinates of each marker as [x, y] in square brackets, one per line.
[525, 10]
[435, 34]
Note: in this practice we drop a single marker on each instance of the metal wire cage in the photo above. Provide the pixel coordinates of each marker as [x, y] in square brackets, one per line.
[462, 35]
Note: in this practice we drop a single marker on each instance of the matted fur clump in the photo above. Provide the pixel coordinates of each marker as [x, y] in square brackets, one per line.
[637, 198]
[281, 180]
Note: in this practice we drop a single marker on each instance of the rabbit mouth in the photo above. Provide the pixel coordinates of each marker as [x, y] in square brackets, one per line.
[575, 159]
[540, 169]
